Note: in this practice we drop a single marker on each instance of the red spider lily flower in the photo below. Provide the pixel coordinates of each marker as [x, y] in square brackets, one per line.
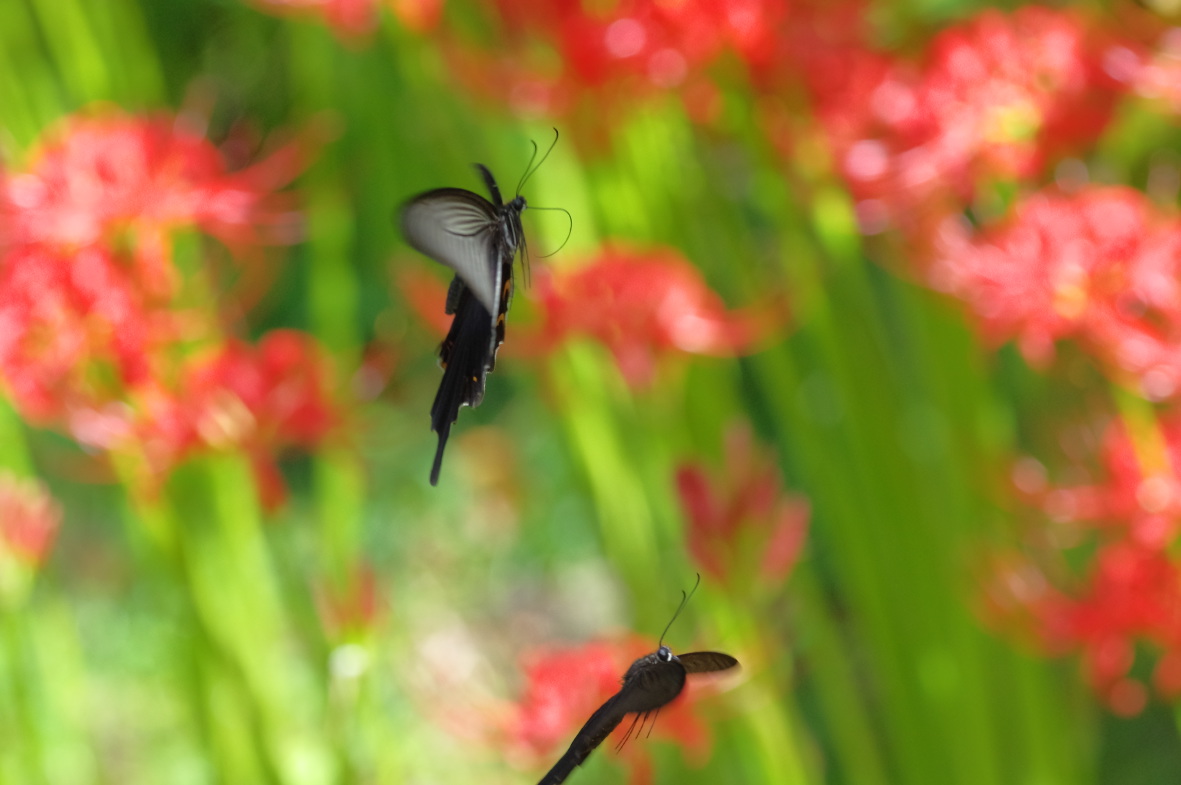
[662, 42]
[996, 98]
[1136, 499]
[744, 518]
[1100, 266]
[1132, 594]
[564, 687]
[261, 399]
[1127, 601]
[349, 19]
[29, 520]
[265, 399]
[88, 291]
[640, 305]
[75, 330]
[123, 181]
[639, 48]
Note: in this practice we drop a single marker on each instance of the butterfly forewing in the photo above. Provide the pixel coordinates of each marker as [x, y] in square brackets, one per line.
[459, 228]
[706, 661]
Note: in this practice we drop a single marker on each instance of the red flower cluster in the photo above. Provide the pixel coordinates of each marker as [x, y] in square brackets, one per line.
[745, 519]
[261, 399]
[126, 182]
[29, 519]
[76, 327]
[640, 305]
[1101, 266]
[97, 325]
[638, 48]
[1130, 595]
[995, 98]
[659, 42]
[565, 686]
[88, 288]
[1140, 497]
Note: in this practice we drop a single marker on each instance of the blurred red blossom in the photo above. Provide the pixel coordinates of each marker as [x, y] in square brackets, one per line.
[29, 520]
[640, 304]
[565, 686]
[100, 333]
[1140, 494]
[262, 399]
[89, 294]
[1100, 266]
[1132, 593]
[126, 182]
[1125, 600]
[994, 98]
[1128, 600]
[76, 329]
[744, 518]
[637, 49]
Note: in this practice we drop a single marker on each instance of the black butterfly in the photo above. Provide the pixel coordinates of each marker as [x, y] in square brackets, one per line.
[478, 239]
[649, 684]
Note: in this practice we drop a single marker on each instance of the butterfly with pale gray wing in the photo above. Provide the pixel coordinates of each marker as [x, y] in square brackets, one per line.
[651, 682]
[478, 239]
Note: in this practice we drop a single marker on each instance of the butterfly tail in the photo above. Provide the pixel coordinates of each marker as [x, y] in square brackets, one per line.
[465, 354]
[605, 719]
[561, 770]
[444, 433]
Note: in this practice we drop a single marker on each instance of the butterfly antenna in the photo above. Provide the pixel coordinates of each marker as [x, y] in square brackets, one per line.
[525, 176]
[529, 170]
[569, 231]
[681, 607]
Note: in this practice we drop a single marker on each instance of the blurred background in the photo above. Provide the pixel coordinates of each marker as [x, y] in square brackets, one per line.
[869, 313]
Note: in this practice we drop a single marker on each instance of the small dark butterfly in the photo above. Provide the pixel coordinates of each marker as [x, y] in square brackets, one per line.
[649, 684]
[478, 239]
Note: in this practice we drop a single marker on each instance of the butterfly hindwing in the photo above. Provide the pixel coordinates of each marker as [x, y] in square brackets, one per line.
[466, 359]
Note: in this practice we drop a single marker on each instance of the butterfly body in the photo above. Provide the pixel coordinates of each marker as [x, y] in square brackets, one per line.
[478, 239]
[652, 681]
